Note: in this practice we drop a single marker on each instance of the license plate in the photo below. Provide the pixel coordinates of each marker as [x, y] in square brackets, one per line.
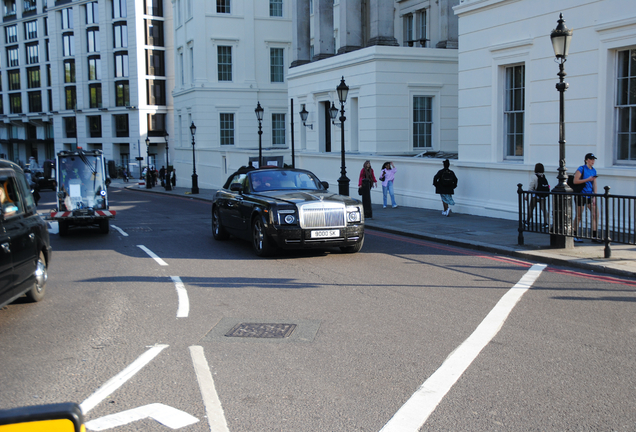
[325, 234]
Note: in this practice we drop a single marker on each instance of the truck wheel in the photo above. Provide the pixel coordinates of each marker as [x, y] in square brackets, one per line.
[104, 226]
[63, 228]
[36, 293]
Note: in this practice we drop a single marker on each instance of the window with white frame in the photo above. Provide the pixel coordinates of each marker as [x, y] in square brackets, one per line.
[415, 29]
[68, 44]
[31, 30]
[514, 111]
[119, 9]
[67, 18]
[120, 34]
[276, 8]
[92, 40]
[227, 128]
[11, 34]
[33, 54]
[225, 63]
[92, 14]
[223, 6]
[626, 107]
[408, 30]
[94, 68]
[121, 64]
[422, 122]
[278, 129]
[277, 68]
[30, 5]
[13, 58]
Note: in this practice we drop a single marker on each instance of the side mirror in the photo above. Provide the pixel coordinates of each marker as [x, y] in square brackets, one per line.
[325, 185]
[63, 417]
[236, 187]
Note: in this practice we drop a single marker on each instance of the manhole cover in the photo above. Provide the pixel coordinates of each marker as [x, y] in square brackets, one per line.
[256, 330]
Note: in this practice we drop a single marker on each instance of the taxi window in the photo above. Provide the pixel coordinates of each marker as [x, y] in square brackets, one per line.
[10, 196]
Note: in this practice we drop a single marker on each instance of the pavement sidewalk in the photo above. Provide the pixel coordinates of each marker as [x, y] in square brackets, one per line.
[475, 232]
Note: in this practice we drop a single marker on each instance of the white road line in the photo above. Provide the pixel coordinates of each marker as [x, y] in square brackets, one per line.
[120, 379]
[184, 303]
[152, 255]
[164, 414]
[414, 413]
[121, 231]
[213, 407]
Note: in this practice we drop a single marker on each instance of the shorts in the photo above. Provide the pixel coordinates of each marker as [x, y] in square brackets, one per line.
[583, 200]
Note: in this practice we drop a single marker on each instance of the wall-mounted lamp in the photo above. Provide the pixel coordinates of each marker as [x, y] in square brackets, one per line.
[333, 113]
[303, 116]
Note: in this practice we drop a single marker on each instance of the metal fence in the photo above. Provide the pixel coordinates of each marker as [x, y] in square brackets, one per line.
[601, 218]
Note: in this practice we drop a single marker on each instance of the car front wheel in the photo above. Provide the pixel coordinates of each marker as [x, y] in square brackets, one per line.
[261, 243]
[36, 293]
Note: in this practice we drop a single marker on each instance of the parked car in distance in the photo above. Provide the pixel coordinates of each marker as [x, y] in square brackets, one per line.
[25, 248]
[286, 208]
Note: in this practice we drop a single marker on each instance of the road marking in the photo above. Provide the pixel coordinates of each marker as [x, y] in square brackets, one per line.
[213, 407]
[164, 414]
[414, 413]
[184, 303]
[121, 231]
[54, 227]
[120, 379]
[152, 255]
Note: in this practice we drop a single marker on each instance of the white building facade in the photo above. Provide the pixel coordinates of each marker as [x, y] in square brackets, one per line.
[509, 106]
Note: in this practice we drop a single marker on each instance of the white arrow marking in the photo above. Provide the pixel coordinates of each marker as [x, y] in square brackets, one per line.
[54, 227]
[184, 303]
[164, 414]
[423, 402]
[152, 255]
[211, 400]
[118, 380]
[121, 231]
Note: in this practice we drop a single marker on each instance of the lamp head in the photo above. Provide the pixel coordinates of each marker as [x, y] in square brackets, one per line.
[342, 90]
[193, 129]
[147, 142]
[333, 111]
[561, 37]
[259, 111]
[303, 114]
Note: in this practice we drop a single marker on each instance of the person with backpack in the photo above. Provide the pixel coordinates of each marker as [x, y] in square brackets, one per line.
[586, 175]
[387, 177]
[540, 186]
[445, 182]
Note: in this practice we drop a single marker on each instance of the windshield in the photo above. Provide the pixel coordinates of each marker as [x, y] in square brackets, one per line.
[268, 180]
[81, 182]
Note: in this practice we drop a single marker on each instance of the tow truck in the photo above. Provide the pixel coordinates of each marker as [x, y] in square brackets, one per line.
[82, 194]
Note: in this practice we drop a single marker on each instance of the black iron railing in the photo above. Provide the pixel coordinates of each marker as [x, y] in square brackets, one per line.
[602, 218]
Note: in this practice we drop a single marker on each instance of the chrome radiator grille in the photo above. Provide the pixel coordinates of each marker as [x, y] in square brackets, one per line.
[320, 215]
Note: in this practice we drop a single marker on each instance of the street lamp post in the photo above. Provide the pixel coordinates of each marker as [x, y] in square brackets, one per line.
[148, 185]
[343, 181]
[561, 37]
[259, 115]
[195, 178]
[166, 174]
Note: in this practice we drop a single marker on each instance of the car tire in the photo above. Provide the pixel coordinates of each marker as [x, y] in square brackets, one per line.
[36, 293]
[353, 249]
[260, 241]
[218, 232]
[63, 228]
[104, 226]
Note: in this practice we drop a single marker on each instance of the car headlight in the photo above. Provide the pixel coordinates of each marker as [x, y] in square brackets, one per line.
[287, 217]
[290, 219]
[354, 214]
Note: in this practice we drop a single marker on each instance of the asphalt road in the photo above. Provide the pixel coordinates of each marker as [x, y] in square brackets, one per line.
[114, 334]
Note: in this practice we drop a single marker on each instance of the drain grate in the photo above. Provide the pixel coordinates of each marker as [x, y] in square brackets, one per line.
[261, 330]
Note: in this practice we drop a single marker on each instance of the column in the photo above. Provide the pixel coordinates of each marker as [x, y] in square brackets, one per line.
[350, 28]
[381, 29]
[448, 25]
[300, 32]
[324, 45]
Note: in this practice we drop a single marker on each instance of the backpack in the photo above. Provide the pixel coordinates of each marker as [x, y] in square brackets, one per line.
[542, 184]
[447, 179]
[577, 188]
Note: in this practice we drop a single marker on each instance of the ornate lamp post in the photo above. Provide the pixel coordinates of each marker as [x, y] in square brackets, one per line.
[343, 181]
[259, 116]
[166, 174]
[561, 37]
[148, 178]
[303, 116]
[195, 178]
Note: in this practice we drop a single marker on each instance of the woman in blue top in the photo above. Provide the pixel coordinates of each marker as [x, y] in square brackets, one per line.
[586, 174]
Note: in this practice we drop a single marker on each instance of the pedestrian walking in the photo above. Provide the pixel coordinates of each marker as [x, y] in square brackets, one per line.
[445, 182]
[540, 186]
[386, 177]
[586, 175]
[162, 175]
[174, 177]
[365, 183]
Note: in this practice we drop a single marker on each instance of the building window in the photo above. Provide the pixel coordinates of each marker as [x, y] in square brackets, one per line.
[95, 95]
[30, 5]
[278, 129]
[71, 98]
[155, 63]
[33, 54]
[11, 34]
[47, 50]
[154, 32]
[223, 6]
[15, 103]
[227, 129]
[95, 126]
[408, 30]
[92, 13]
[92, 40]
[514, 111]
[156, 92]
[14, 79]
[156, 124]
[225, 63]
[119, 9]
[121, 65]
[70, 127]
[277, 69]
[122, 93]
[181, 70]
[120, 32]
[69, 71]
[94, 68]
[121, 125]
[421, 27]
[33, 77]
[276, 8]
[67, 18]
[9, 8]
[68, 44]
[422, 122]
[154, 7]
[35, 102]
[626, 106]
[31, 30]
[13, 57]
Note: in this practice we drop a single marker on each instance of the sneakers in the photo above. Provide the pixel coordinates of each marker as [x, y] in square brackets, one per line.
[383, 206]
[448, 212]
[444, 212]
[395, 206]
[577, 240]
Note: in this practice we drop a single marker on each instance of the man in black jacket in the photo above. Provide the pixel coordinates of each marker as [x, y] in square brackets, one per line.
[445, 182]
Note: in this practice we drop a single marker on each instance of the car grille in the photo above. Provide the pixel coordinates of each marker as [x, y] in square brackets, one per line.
[322, 215]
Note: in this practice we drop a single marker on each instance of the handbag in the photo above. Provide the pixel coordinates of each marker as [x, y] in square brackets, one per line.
[383, 176]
